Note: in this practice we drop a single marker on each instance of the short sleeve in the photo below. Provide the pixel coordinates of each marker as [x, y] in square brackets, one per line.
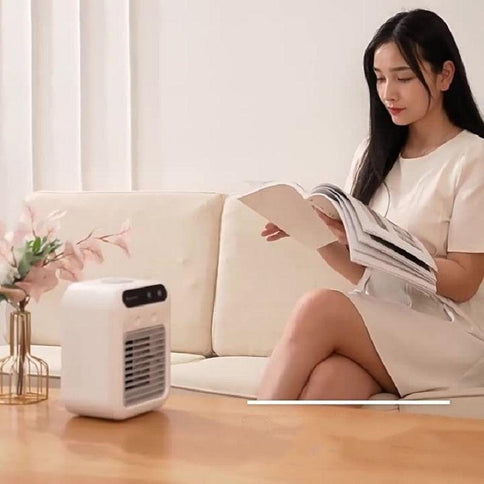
[466, 225]
[355, 164]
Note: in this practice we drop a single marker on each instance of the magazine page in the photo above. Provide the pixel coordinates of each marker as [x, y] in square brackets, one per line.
[365, 255]
[404, 259]
[284, 205]
[365, 250]
[269, 184]
[290, 208]
[375, 224]
[325, 202]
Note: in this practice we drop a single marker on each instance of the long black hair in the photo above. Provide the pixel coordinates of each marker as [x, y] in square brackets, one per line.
[418, 34]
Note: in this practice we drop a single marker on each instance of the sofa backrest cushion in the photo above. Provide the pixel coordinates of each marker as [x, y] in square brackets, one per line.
[174, 240]
[259, 282]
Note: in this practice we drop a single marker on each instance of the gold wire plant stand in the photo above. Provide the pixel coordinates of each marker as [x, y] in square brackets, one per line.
[24, 378]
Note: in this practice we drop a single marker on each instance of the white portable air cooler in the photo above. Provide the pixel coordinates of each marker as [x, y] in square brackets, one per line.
[115, 347]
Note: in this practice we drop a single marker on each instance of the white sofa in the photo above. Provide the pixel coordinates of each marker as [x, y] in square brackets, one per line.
[231, 291]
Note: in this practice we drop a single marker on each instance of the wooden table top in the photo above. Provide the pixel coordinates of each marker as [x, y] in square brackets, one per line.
[198, 437]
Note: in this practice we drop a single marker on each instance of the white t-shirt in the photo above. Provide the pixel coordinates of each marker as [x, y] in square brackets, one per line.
[439, 198]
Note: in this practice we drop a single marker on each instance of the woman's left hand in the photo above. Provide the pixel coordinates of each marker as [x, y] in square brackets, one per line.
[336, 226]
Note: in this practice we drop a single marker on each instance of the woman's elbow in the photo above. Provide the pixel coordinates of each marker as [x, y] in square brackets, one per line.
[463, 292]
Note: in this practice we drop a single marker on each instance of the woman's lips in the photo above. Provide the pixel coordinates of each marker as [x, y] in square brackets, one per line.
[395, 111]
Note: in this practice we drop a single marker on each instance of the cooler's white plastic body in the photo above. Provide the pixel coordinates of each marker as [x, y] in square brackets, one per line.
[95, 326]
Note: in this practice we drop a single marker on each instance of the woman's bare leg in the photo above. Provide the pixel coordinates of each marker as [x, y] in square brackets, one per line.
[339, 378]
[323, 322]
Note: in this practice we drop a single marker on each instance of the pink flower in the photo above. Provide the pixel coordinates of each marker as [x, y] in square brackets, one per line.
[45, 274]
[122, 242]
[91, 250]
[20, 232]
[74, 254]
[50, 225]
[69, 269]
[6, 251]
[29, 216]
[126, 226]
[39, 280]
[120, 239]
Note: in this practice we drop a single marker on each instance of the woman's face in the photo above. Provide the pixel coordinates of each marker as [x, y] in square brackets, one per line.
[400, 90]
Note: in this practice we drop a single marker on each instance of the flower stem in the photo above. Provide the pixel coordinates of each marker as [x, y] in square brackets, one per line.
[86, 238]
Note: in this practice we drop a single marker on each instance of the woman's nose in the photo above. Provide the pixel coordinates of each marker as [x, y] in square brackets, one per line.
[390, 92]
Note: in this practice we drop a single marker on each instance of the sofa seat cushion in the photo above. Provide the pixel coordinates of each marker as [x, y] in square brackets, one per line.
[181, 358]
[464, 402]
[228, 375]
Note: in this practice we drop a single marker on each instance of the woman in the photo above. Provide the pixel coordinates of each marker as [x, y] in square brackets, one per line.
[423, 168]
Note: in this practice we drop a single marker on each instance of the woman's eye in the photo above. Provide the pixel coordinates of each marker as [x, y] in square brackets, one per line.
[380, 79]
[406, 79]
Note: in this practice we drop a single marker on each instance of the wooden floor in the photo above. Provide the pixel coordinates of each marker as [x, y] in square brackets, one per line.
[206, 438]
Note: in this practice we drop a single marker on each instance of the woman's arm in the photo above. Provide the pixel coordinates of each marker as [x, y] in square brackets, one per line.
[337, 257]
[336, 254]
[459, 275]
[458, 278]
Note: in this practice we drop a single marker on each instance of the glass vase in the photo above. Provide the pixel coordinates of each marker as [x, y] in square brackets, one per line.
[23, 378]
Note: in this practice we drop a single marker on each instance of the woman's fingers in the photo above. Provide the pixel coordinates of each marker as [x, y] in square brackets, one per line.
[329, 221]
[336, 226]
[277, 236]
[273, 232]
[270, 228]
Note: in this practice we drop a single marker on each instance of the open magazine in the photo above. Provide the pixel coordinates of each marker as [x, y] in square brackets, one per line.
[373, 240]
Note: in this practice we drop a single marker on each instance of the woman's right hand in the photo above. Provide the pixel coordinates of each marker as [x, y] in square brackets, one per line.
[273, 232]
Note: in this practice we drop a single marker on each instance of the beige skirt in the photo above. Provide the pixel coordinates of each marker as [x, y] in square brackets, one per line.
[422, 346]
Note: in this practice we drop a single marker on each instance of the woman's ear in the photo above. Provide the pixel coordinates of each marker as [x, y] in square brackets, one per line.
[446, 75]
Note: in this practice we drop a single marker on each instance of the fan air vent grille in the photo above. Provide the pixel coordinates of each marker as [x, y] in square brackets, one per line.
[144, 364]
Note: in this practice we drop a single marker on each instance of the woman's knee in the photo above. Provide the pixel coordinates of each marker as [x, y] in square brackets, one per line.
[315, 310]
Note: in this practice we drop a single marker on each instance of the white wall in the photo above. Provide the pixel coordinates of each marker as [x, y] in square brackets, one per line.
[257, 90]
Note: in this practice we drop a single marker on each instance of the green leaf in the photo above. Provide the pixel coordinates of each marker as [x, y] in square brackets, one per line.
[36, 245]
[34, 251]
[52, 246]
[24, 267]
